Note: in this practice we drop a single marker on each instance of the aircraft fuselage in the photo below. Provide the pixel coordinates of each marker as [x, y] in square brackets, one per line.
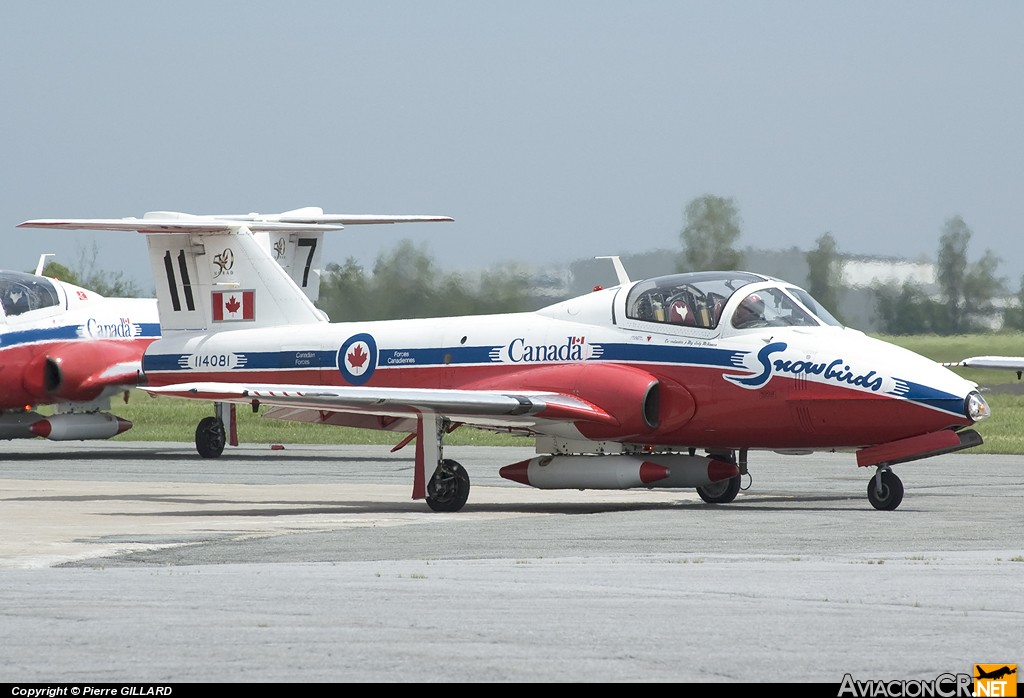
[776, 388]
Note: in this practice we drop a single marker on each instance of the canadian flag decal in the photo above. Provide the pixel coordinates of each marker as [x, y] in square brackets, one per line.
[229, 306]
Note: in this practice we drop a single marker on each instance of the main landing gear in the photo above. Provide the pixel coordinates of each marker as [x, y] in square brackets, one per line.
[721, 492]
[211, 437]
[885, 490]
[724, 491]
[448, 488]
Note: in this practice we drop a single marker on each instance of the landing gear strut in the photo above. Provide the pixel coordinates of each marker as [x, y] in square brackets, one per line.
[448, 488]
[885, 490]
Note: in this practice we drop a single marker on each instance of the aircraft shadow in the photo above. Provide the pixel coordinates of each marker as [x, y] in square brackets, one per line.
[135, 454]
[227, 508]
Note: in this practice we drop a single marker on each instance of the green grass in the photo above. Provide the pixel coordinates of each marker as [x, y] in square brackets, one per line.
[172, 419]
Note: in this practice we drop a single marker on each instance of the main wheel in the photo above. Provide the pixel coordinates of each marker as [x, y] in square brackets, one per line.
[889, 496]
[210, 437]
[448, 488]
[721, 492]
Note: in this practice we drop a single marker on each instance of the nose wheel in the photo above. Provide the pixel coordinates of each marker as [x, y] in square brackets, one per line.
[885, 490]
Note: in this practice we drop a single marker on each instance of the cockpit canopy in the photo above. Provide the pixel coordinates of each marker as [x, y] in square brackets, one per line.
[21, 292]
[700, 299]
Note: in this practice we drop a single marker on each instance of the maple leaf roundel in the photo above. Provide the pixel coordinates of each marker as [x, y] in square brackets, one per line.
[357, 358]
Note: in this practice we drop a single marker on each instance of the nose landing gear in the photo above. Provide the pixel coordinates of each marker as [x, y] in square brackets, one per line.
[885, 490]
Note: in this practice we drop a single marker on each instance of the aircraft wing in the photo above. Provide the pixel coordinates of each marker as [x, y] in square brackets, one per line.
[458, 405]
[1006, 363]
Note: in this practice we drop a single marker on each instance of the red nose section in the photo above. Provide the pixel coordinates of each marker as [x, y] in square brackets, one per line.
[517, 472]
[123, 425]
[41, 428]
[720, 470]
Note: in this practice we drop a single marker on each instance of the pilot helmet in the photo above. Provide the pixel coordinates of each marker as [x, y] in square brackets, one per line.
[750, 309]
[754, 303]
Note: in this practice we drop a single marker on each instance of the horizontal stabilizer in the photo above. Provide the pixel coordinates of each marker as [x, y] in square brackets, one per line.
[316, 215]
[302, 220]
[173, 225]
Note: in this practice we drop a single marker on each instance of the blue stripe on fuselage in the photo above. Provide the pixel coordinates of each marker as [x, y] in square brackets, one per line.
[924, 395]
[460, 356]
[67, 332]
[669, 354]
[252, 360]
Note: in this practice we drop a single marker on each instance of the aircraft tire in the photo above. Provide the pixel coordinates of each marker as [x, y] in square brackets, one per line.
[448, 488]
[721, 492]
[891, 494]
[210, 437]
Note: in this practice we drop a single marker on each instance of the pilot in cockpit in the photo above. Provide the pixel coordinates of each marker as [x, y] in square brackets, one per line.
[16, 300]
[750, 312]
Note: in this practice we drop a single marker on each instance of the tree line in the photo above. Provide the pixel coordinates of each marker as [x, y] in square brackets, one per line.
[968, 292]
[406, 282]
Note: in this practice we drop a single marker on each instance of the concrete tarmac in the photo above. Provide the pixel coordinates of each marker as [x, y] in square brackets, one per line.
[140, 562]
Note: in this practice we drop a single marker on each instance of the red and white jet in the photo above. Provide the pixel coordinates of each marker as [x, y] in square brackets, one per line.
[66, 346]
[621, 388]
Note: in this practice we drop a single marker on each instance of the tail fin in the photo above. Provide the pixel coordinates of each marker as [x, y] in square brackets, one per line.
[208, 281]
[242, 270]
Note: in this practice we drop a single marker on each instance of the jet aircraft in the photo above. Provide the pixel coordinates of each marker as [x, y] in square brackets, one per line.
[70, 348]
[661, 383]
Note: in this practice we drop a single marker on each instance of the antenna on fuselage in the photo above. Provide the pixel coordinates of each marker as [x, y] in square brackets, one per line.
[620, 271]
[42, 262]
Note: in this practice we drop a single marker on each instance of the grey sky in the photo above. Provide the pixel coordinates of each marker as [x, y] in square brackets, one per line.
[550, 131]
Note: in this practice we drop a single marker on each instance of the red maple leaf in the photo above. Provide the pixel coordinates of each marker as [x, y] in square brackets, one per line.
[232, 305]
[356, 357]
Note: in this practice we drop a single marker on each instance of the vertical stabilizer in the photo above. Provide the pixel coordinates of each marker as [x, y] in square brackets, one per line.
[221, 281]
[299, 255]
